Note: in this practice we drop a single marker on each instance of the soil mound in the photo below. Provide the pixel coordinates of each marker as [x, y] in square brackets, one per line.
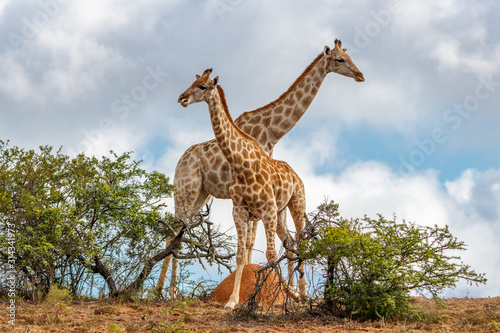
[270, 292]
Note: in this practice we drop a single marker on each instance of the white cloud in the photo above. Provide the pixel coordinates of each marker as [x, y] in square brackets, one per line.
[15, 80]
[418, 15]
[461, 189]
[96, 17]
[2, 5]
[78, 66]
[459, 49]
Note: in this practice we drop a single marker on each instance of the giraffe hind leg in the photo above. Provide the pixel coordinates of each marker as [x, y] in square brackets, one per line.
[187, 205]
[284, 236]
[297, 207]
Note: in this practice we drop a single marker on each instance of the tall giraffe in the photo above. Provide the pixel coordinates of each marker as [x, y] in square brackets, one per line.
[202, 171]
[261, 187]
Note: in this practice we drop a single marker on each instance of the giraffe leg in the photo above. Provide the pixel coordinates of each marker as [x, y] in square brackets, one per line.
[160, 285]
[173, 279]
[297, 209]
[252, 233]
[240, 217]
[284, 236]
[187, 204]
[270, 223]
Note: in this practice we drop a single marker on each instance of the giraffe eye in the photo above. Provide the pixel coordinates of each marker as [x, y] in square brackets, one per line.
[339, 60]
[203, 87]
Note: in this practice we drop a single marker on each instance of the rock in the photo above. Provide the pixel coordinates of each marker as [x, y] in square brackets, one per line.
[270, 293]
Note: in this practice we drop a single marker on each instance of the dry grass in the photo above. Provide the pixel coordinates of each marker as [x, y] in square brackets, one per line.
[458, 315]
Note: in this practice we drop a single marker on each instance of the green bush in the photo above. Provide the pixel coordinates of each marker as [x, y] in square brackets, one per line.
[68, 218]
[57, 297]
[372, 265]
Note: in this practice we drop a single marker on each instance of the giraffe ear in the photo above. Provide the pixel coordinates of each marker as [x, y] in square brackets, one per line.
[326, 50]
[197, 76]
[216, 80]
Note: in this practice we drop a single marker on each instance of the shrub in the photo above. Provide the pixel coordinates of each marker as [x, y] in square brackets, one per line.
[57, 297]
[372, 265]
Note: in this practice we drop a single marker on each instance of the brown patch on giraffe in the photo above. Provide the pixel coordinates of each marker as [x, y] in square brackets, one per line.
[237, 159]
[296, 116]
[247, 129]
[225, 172]
[299, 94]
[306, 101]
[266, 122]
[218, 160]
[278, 109]
[276, 121]
[256, 132]
[259, 179]
[212, 177]
[232, 145]
[248, 166]
[260, 137]
[248, 173]
[245, 153]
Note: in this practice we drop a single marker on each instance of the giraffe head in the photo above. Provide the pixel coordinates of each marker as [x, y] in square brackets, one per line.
[199, 89]
[338, 61]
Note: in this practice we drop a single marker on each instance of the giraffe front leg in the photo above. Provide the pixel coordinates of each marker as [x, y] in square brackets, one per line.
[271, 224]
[284, 236]
[173, 280]
[252, 233]
[240, 217]
[160, 285]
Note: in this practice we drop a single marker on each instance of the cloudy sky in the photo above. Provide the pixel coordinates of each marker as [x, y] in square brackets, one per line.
[419, 139]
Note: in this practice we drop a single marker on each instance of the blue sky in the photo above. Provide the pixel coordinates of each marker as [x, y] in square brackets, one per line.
[419, 138]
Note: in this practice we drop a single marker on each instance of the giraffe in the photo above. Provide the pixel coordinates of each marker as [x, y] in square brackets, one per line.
[202, 171]
[261, 187]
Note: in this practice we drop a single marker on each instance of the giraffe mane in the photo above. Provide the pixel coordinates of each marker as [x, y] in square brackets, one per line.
[222, 97]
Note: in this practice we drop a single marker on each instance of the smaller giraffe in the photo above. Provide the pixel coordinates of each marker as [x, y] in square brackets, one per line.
[261, 187]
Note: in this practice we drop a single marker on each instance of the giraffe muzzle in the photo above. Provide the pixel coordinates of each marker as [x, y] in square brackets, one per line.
[184, 101]
[359, 77]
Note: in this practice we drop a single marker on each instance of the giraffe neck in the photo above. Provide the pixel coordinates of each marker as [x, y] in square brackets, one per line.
[234, 143]
[280, 116]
